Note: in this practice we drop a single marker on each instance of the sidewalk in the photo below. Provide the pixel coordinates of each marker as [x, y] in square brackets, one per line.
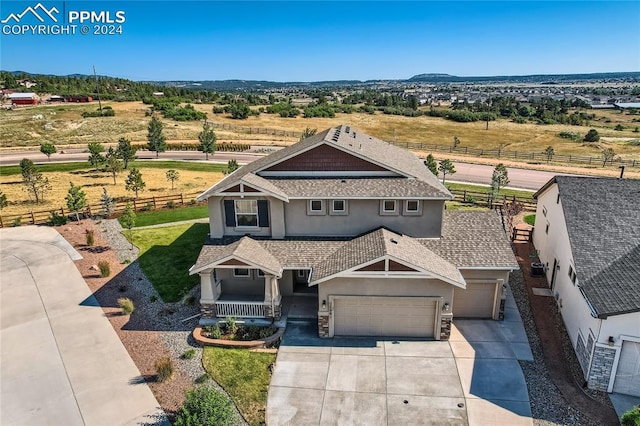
[551, 338]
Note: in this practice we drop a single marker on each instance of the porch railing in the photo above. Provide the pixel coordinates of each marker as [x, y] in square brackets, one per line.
[240, 309]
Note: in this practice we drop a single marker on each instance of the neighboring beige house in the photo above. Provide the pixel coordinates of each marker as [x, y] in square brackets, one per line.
[362, 224]
[587, 234]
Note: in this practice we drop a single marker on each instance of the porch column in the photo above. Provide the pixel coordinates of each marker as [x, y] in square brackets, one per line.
[275, 298]
[267, 288]
[208, 295]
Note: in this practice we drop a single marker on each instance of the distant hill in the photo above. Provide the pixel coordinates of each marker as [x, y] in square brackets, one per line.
[534, 78]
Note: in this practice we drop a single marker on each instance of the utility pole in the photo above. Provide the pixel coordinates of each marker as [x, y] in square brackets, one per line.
[97, 89]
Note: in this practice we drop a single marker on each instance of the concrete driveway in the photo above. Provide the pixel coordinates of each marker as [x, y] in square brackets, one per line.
[61, 361]
[473, 379]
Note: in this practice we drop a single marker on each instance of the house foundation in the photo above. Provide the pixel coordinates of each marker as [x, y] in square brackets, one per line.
[445, 326]
[601, 365]
[323, 324]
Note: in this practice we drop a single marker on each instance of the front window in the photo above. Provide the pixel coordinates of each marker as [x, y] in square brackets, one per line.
[413, 206]
[240, 272]
[246, 213]
[338, 206]
[316, 205]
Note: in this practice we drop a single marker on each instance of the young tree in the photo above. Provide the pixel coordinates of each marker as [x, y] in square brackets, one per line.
[549, 152]
[592, 136]
[446, 168]
[95, 154]
[156, 140]
[232, 165]
[431, 164]
[112, 163]
[3, 200]
[512, 210]
[47, 149]
[35, 183]
[608, 155]
[107, 203]
[134, 181]
[172, 175]
[499, 179]
[207, 138]
[128, 219]
[307, 133]
[76, 200]
[126, 151]
[456, 141]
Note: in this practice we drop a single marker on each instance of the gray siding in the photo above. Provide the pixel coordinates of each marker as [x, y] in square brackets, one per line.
[363, 216]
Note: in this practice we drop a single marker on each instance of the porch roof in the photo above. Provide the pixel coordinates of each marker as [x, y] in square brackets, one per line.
[246, 250]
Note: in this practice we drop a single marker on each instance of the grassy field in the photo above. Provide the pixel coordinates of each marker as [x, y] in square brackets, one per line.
[167, 253]
[244, 375]
[171, 215]
[194, 178]
[66, 126]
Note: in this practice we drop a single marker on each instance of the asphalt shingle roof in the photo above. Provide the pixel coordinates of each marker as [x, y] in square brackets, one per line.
[356, 143]
[603, 223]
[472, 239]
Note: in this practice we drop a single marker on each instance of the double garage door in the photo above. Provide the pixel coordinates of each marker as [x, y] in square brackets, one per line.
[384, 316]
[627, 379]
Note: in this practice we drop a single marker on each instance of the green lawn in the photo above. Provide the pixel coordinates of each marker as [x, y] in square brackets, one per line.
[83, 165]
[244, 375]
[171, 215]
[530, 219]
[167, 253]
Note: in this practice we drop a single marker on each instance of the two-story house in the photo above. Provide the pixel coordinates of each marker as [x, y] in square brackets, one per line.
[587, 234]
[360, 223]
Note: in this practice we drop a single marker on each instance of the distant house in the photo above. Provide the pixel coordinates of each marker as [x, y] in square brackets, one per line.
[78, 99]
[158, 94]
[24, 98]
[359, 226]
[55, 99]
[627, 105]
[587, 234]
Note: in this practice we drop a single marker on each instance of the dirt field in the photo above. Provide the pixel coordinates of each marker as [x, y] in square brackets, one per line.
[92, 183]
[63, 124]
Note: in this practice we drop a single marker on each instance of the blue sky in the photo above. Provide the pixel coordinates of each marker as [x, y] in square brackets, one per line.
[331, 40]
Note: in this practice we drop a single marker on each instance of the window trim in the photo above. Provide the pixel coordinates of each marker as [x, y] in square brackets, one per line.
[345, 208]
[416, 212]
[312, 212]
[236, 275]
[385, 212]
[256, 214]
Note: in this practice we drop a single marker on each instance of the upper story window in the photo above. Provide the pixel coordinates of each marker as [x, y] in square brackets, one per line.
[389, 207]
[316, 207]
[246, 213]
[339, 207]
[260, 272]
[412, 207]
[558, 199]
[572, 274]
[544, 211]
[546, 229]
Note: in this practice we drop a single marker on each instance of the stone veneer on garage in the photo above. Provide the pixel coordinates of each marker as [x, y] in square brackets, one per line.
[601, 365]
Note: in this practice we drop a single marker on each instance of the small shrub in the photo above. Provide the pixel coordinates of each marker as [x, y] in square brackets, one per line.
[105, 269]
[205, 406]
[631, 417]
[126, 305]
[188, 299]
[619, 127]
[122, 288]
[203, 379]
[56, 219]
[17, 221]
[231, 324]
[153, 299]
[171, 205]
[147, 207]
[471, 199]
[90, 237]
[213, 331]
[189, 354]
[126, 261]
[193, 202]
[164, 369]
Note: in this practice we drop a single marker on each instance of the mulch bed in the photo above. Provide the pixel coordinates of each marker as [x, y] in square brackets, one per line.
[137, 333]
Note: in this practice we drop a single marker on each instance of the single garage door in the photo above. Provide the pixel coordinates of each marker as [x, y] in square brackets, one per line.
[628, 374]
[476, 301]
[384, 316]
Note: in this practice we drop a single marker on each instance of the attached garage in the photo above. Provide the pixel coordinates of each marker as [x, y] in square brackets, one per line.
[384, 316]
[627, 379]
[477, 301]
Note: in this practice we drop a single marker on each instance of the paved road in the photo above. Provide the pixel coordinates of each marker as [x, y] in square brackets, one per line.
[62, 363]
[465, 172]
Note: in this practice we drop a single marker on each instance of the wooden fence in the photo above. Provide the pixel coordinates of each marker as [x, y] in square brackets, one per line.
[485, 198]
[139, 204]
[255, 130]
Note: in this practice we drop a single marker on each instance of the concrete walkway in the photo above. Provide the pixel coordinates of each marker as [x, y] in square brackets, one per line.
[473, 379]
[62, 362]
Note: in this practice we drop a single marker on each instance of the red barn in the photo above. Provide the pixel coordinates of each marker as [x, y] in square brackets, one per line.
[24, 98]
[78, 99]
